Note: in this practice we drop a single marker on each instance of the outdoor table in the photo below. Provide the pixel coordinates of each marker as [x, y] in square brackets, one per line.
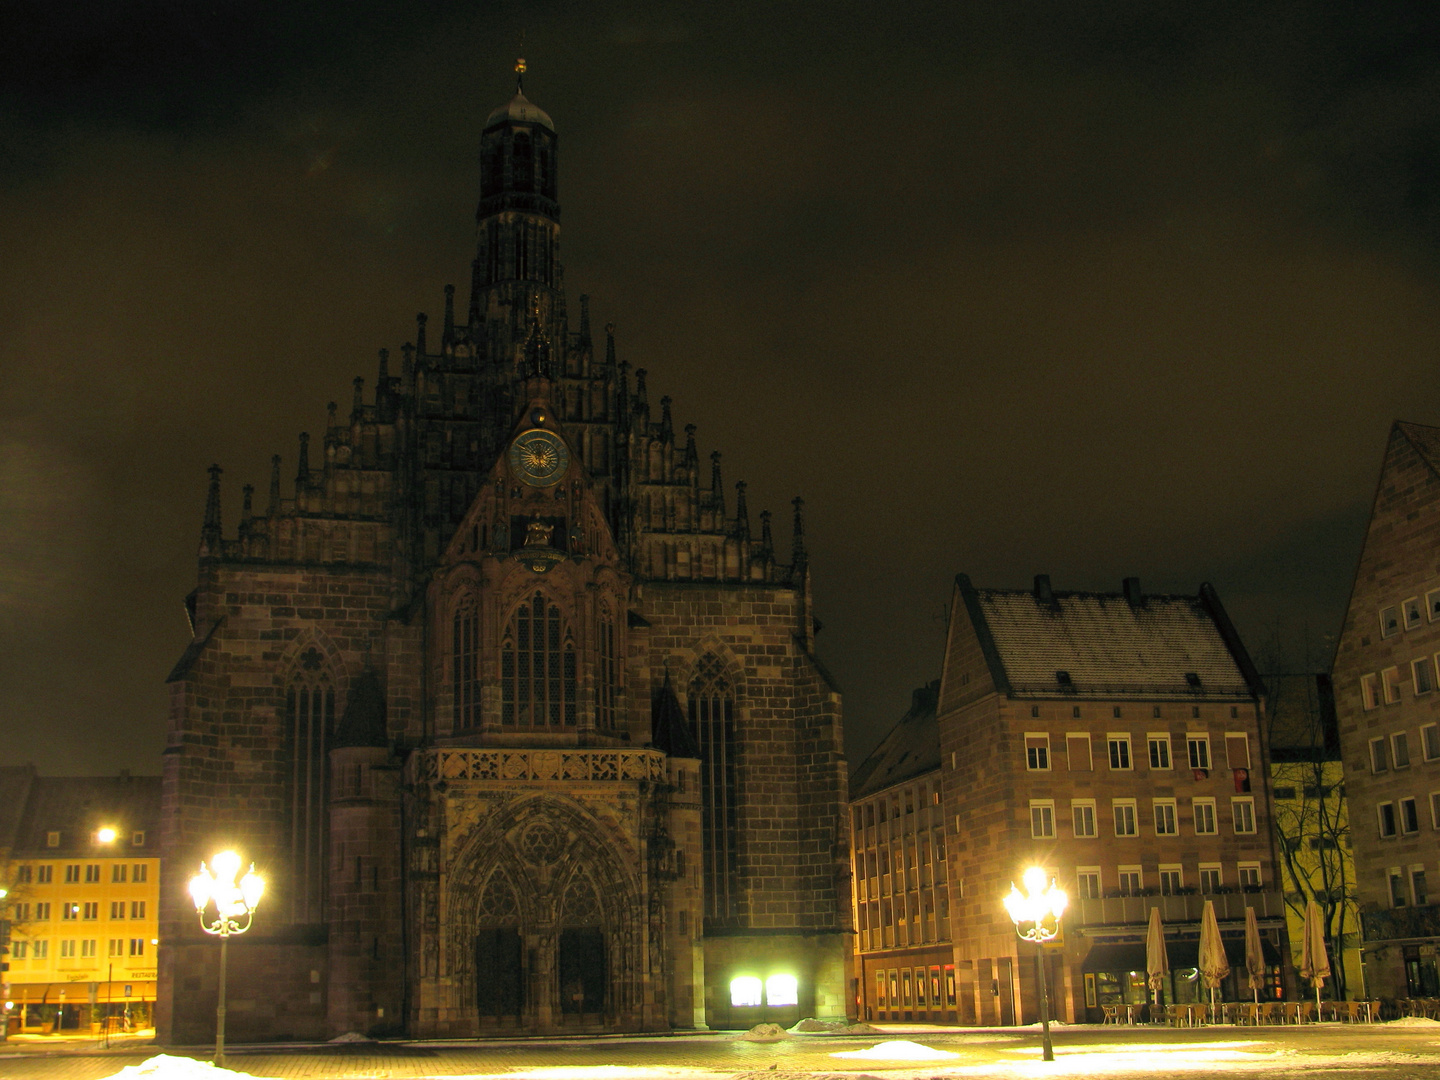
[1246, 1012]
[1271, 1012]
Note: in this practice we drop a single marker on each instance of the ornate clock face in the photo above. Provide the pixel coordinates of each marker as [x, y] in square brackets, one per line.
[539, 457]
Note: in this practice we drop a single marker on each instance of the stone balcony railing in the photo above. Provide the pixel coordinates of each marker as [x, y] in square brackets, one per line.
[1399, 923]
[1135, 910]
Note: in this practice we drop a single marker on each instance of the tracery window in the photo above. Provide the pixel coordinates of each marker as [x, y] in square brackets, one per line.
[537, 668]
[467, 665]
[607, 681]
[712, 721]
[310, 717]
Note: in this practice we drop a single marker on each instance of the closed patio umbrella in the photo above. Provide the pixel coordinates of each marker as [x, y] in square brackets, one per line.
[1157, 962]
[1254, 955]
[1212, 962]
[1314, 963]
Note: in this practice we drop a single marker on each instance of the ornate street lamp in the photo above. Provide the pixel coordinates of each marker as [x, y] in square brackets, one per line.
[234, 906]
[1036, 914]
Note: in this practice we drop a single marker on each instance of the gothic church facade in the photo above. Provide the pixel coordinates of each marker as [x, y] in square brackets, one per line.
[519, 716]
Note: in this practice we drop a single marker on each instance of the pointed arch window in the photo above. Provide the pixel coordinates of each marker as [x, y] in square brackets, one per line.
[310, 718]
[712, 722]
[522, 168]
[537, 668]
[607, 675]
[467, 665]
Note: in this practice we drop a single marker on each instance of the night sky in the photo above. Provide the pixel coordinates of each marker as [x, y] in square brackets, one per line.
[1091, 289]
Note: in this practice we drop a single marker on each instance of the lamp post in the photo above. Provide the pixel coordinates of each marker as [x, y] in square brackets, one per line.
[1036, 914]
[234, 906]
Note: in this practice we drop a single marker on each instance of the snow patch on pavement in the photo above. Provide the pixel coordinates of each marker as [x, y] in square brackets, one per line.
[897, 1050]
[170, 1067]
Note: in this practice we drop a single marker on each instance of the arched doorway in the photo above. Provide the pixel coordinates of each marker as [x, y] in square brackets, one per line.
[583, 967]
[499, 956]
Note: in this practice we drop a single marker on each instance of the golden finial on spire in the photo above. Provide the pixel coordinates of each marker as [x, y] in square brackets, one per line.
[520, 75]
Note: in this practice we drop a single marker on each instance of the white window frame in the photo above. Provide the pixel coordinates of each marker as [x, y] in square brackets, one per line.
[1410, 613]
[1077, 805]
[1387, 616]
[1209, 804]
[1243, 869]
[1173, 814]
[1199, 739]
[1414, 813]
[1435, 809]
[1379, 755]
[1042, 819]
[1160, 740]
[1422, 676]
[1396, 896]
[1400, 748]
[1130, 805]
[1429, 739]
[1042, 737]
[1212, 868]
[1370, 691]
[1432, 604]
[1124, 871]
[1073, 737]
[1178, 871]
[1390, 685]
[1083, 871]
[1380, 809]
[1115, 739]
[1243, 806]
[1416, 897]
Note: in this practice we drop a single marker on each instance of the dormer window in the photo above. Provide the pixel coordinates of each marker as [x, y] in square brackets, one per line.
[1192, 680]
[1063, 678]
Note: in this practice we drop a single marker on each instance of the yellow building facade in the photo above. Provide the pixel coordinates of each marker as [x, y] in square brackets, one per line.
[82, 874]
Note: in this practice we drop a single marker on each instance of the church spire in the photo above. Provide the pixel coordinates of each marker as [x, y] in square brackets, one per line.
[210, 531]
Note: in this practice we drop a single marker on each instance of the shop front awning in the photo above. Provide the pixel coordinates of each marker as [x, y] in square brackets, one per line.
[1182, 953]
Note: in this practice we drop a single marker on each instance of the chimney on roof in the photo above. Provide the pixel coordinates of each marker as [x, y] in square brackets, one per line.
[1043, 593]
[1131, 588]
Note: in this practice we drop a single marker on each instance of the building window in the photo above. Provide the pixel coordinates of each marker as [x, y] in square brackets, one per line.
[72, 874]
[1204, 816]
[1379, 758]
[1400, 750]
[1417, 886]
[1198, 748]
[141, 874]
[1390, 684]
[91, 908]
[137, 946]
[1077, 748]
[1243, 812]
[1411, 608]
[537, 668]
[1432, 604]
[67, 949]
[1249, 875]
[1430, 742]
[19, 949]
[1170, 881]
[1210, 877]
[467, 665]
[1385, 812]
[607, 678]
[310, 708]
[42, 911]
[1124, 811]
[1037, 751]
[712, 722]
[1237, 750]
[44, 875]
[1159, 750]
[1087, 881]
[1130, 881]
[1423, 674]
[137, 838]
[1165, 817]
[1082, 812]
[92, 874]
[20, 913]
[24, 874]
[1435, 809]
[1119, 744]
[87, 948]
[69, 912]
[1409, 816]
[1389, 621]
[137, 909]
[42, 950]
[117, 909]
[1397, 887]
[52, 839]
[1369, 692]
[1042, 819]
[116, 947]
[118, 873]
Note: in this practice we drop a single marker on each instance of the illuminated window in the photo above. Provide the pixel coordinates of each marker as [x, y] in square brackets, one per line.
[537, 668]
[467, 664]
[712, 721]
[745, 992]
[780, 990]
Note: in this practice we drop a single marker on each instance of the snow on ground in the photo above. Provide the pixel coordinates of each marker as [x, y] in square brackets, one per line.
[169, 1067]
[764, 1033]
[897, 1050]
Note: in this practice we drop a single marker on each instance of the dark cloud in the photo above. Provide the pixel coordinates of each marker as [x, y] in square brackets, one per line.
[1092, 289]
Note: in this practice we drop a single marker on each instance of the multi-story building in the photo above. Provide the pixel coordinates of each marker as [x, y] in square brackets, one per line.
[905, 964]
[522, 716]
[1114, 740]
[1386, 672]
[1312, 821]
[82, 872]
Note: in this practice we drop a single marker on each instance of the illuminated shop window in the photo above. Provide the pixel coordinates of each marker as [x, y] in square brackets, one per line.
[779, 990]
[744, 992]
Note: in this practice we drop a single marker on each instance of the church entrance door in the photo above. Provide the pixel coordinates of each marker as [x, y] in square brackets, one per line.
[583, 975]
[498, 977]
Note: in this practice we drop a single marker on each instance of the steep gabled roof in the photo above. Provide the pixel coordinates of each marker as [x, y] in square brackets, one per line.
[15, 784]
[1104, 645]
[1426, 441]
[1300, 719]
[910, 748]
[75, 806]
